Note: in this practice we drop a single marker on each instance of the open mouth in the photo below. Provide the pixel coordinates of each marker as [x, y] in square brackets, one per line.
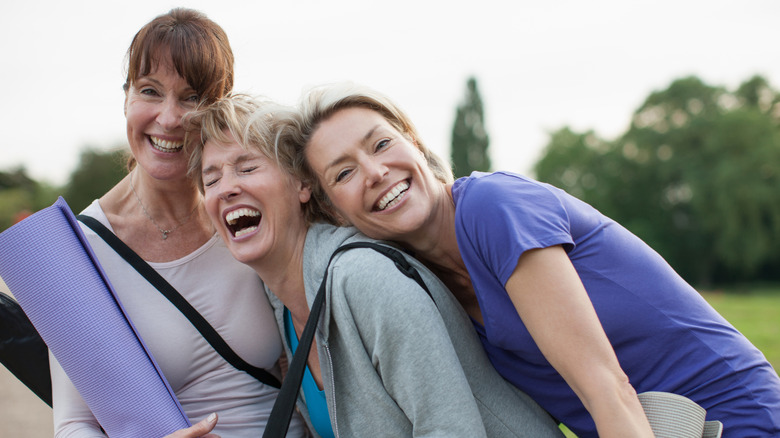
[165, 145]
[393, 196]
[243, 221]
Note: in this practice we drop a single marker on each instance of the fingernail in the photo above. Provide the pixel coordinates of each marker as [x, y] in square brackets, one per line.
[211, 418]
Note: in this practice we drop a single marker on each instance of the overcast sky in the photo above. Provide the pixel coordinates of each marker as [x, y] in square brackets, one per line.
[539, 65]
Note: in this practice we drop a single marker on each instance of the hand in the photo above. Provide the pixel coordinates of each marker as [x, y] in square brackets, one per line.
[198, 430]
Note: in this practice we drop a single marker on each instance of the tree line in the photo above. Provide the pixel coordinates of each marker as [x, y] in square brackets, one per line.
[96, 172]
[696, 175]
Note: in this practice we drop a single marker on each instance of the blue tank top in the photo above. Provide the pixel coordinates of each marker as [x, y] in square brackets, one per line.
[315, 398]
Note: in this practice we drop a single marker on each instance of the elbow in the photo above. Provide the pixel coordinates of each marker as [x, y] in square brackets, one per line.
[610, 391]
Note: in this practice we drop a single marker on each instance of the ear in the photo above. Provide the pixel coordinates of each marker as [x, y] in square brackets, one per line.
[125, 105]
[304, 191]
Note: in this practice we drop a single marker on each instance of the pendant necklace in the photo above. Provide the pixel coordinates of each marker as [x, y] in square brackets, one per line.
[159, 228]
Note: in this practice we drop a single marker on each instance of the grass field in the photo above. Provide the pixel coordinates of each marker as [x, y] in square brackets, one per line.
[754, 312]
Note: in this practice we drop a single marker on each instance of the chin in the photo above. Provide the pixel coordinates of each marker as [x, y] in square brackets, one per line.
[246, 259]
[241, 256]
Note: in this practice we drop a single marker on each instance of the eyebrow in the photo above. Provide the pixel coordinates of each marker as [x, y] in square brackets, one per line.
[150, 79]
[341, 158]
[208, 170]
[241, 159]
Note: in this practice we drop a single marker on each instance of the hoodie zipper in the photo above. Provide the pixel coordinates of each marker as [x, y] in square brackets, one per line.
[332, 390]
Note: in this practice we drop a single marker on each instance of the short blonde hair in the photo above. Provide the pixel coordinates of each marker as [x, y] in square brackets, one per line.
[319, 104]
[253, 123]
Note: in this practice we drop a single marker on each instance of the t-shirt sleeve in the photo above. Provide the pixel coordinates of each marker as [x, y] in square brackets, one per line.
[500, 216]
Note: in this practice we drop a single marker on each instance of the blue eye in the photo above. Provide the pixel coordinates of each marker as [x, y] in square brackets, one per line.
[343, 174]
[382, 144]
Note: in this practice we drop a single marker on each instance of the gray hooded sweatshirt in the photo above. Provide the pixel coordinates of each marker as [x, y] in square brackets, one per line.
[394, 363]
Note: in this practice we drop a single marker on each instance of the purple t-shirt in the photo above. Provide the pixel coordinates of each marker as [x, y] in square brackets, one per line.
[665, 335]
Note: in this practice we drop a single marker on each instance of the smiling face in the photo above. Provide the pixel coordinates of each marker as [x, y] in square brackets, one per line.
[374, 176]
[154, 106]
[255, 206]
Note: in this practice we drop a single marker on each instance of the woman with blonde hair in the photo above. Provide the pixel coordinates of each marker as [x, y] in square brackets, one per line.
[570, 307]
[388, 359]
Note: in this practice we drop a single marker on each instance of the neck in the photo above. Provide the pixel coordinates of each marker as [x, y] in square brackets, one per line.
[282, 273]
[164, 200]
[435, 242]
[436, 245]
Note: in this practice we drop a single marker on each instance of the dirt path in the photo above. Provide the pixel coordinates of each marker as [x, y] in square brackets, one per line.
[22, 414]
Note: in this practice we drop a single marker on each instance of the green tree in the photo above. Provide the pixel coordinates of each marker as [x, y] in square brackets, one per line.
[95, 174]
[469, 137]
[695, 176]
[20, 196]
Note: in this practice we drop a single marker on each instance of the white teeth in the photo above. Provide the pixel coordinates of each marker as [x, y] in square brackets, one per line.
[393, 196]
[233, 216]
[165, 145]
[232, 219]
[241, 232]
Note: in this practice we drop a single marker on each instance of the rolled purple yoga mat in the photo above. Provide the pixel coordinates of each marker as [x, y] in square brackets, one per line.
[47, 263]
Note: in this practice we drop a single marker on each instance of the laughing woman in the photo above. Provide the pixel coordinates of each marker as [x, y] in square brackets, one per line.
[571, 307]
[389, 360]
[176, 61]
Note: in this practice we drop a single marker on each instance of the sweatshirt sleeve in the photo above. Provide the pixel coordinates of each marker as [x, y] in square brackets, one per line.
[72, 416]
[407, 341]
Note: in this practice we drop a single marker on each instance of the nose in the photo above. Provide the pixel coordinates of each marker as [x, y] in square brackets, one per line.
[170, 114]
[374, 171]
[229, 187]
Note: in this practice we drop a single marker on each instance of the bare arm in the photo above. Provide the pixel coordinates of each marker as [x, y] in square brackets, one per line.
[553, 304]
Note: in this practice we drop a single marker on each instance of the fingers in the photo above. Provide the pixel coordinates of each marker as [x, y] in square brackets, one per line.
[199, 429]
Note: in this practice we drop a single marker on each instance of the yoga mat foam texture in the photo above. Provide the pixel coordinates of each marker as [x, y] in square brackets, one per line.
[47, 263]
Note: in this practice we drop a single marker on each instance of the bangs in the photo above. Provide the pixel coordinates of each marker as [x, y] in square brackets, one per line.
[204, 61]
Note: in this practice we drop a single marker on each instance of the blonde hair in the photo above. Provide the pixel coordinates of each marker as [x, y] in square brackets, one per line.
[253, 123]
[319, 104]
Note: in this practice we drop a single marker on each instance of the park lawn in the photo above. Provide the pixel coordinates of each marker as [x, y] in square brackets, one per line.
[755, 313]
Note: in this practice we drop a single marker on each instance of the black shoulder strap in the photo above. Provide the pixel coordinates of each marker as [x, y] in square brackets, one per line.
[284, 406]
[169, 292]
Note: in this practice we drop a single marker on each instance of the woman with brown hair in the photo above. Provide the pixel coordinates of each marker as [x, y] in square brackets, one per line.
[176, 62]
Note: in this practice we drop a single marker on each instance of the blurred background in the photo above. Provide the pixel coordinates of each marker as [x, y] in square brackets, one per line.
[664, 115]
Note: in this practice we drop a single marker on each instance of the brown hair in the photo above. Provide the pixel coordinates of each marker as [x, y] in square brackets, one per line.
[319, 105]
[198, 48]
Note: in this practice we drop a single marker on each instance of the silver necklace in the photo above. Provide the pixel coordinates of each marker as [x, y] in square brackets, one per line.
[159, 228]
